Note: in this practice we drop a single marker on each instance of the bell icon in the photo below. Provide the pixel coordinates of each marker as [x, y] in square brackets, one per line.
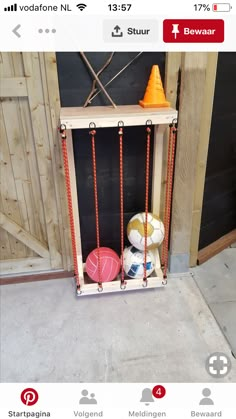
[147, 396]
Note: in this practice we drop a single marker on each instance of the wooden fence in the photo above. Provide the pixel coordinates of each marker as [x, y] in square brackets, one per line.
[34, 233]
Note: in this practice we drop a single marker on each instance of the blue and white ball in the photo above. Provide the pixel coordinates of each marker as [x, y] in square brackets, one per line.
[134, 262]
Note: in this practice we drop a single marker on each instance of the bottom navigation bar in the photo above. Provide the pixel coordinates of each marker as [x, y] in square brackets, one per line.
[118, 400]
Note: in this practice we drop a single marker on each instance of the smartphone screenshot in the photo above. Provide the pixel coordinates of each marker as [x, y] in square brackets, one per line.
[117, 209]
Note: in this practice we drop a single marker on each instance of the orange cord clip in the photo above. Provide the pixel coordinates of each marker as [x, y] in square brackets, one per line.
[62, 131]
[93, 134]
[168, 197]
[148, 131]
[121, 133]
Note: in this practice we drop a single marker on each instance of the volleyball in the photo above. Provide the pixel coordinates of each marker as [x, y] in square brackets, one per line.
[136, 231]
[134, 262]
[109, 264]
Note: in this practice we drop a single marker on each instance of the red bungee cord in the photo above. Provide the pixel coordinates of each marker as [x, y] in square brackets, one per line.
[62, 131]
[120, 132]
[93, 134]
[168, 197]
[148, 131]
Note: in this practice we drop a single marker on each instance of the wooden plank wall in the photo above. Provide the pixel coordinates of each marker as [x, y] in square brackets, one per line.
[172, 74]
[34, 231]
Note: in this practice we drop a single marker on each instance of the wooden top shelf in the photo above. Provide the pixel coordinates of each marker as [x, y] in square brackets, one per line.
[106, 116]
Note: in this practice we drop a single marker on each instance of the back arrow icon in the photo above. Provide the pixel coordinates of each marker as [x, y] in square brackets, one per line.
[15, 31]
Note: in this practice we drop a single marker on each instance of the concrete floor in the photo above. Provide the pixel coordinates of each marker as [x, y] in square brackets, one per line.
[164, 335]
[217, 281]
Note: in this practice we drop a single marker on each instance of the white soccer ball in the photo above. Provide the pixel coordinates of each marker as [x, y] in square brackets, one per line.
[134, 262]
[136, 231]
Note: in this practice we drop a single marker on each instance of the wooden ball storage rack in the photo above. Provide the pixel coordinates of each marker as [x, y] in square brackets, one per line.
[105, 117]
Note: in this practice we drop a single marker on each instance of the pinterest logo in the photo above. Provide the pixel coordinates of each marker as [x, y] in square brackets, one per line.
[29, 396]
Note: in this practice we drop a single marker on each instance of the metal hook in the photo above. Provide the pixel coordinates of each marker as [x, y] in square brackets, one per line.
[145, 283]
[121, 124]
[123, 285]
[175, 123]
[78, 291]
[149, 122]
[100, 289]
[164, 282]
[92, 125]
[62, 128]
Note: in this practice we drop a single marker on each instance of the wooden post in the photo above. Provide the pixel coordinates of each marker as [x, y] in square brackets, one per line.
[205, 127]
[52, 107]
[192, 96]
[157, 168]
[33, 74]
[75, 204]
[172, 69]
[173, 64]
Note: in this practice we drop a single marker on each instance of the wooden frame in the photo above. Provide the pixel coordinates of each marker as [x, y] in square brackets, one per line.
[103, 117]
[214, 248]
[37, 277]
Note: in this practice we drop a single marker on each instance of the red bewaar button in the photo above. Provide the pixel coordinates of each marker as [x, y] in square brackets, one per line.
[193, 30]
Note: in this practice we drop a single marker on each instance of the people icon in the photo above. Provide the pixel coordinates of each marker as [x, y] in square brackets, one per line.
[86, 400]
[206, 401]
[93, 400]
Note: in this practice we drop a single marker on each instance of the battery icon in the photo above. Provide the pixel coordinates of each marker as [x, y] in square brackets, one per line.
[221, 7]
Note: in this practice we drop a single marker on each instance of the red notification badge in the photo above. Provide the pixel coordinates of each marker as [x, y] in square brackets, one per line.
[159, 392]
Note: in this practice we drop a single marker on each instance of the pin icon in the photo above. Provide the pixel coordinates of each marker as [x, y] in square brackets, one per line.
[29, 396]
[175, 29]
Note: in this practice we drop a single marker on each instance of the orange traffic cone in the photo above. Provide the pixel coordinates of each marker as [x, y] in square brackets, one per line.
[154, 96]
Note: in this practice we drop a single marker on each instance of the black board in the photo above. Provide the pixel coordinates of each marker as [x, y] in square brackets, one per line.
[107, 153]
[219, 204]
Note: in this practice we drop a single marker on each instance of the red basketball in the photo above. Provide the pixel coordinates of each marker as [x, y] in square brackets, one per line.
[109, 264]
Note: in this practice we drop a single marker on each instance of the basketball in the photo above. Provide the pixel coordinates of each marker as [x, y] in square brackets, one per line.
[136, 231]
[134, 262]
[109, 264]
